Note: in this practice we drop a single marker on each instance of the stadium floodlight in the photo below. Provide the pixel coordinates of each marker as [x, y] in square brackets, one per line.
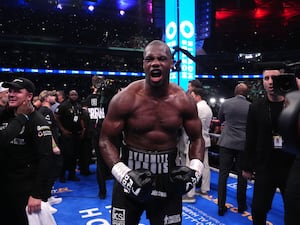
[91, 8]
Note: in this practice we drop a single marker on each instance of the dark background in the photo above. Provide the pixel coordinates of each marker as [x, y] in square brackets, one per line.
[35, 34]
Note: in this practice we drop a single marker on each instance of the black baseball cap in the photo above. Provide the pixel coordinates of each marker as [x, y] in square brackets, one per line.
[20, 83]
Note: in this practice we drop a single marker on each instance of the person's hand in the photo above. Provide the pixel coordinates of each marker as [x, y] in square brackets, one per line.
[25, 108]
[56, 150]
[34, 205]
[137, 183]
[184, 178]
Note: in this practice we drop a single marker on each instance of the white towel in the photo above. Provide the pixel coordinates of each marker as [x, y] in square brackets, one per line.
[44, 217]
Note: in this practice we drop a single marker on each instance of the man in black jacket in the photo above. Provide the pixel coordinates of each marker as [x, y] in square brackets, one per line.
[265, 158]
[24, 161]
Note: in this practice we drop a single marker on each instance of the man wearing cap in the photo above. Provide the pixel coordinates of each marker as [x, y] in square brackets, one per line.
[24, 161]
[16, 124]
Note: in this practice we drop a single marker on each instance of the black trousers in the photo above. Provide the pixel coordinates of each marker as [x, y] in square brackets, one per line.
[102, 171]
[227, 159]
[70, 146]
[268, 177]
[85, 155]
[12, 209]
[292, 195]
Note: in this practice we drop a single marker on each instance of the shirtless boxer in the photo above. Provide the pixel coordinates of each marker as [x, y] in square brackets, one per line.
[149, 113]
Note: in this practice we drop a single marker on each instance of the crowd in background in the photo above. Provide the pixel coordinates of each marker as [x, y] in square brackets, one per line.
[33, 39]
[55, 39]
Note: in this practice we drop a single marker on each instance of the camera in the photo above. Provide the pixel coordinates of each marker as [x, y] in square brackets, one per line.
[289, 122]
[105, 88]
[285, 83]
[101, 83]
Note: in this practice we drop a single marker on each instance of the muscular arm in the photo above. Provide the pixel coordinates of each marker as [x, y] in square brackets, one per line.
[111, 130]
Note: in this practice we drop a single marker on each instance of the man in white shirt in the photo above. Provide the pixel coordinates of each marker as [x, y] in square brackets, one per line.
[205, 115]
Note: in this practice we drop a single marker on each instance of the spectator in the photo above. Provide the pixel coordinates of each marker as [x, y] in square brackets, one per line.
[205, 114]
[264, 156]
[232, 143]
[69, 120]
[55, 103]
[47, 98]
[97, 103]
[60, 95]
[36, 102]
[24, 161]
[193, 84]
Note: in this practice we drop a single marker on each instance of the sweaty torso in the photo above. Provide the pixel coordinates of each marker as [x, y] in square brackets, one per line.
[153, 123]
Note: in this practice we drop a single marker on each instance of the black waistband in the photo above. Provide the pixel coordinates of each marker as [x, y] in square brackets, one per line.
[158, 162]
[166, 151]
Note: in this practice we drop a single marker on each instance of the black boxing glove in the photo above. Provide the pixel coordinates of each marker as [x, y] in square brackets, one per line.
[184, 178]
[137, 183]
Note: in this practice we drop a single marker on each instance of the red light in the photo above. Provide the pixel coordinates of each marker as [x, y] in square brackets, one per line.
[222, 15]
[260, 13]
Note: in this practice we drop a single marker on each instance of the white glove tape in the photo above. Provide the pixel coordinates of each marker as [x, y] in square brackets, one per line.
[197, 165]
[119, 170]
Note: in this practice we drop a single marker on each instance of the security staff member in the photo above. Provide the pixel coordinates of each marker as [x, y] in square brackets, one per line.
[24, 161]
[69, 120]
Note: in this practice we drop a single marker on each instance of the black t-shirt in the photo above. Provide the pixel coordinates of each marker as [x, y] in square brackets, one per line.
[97, 108]
[70, 115]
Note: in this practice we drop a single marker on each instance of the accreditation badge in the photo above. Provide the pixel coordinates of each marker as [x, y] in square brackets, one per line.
[277, 141]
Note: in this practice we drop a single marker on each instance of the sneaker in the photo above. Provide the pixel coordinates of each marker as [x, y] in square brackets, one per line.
[53, 200]
[187, 199]
[50, 208]
[199, 192]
